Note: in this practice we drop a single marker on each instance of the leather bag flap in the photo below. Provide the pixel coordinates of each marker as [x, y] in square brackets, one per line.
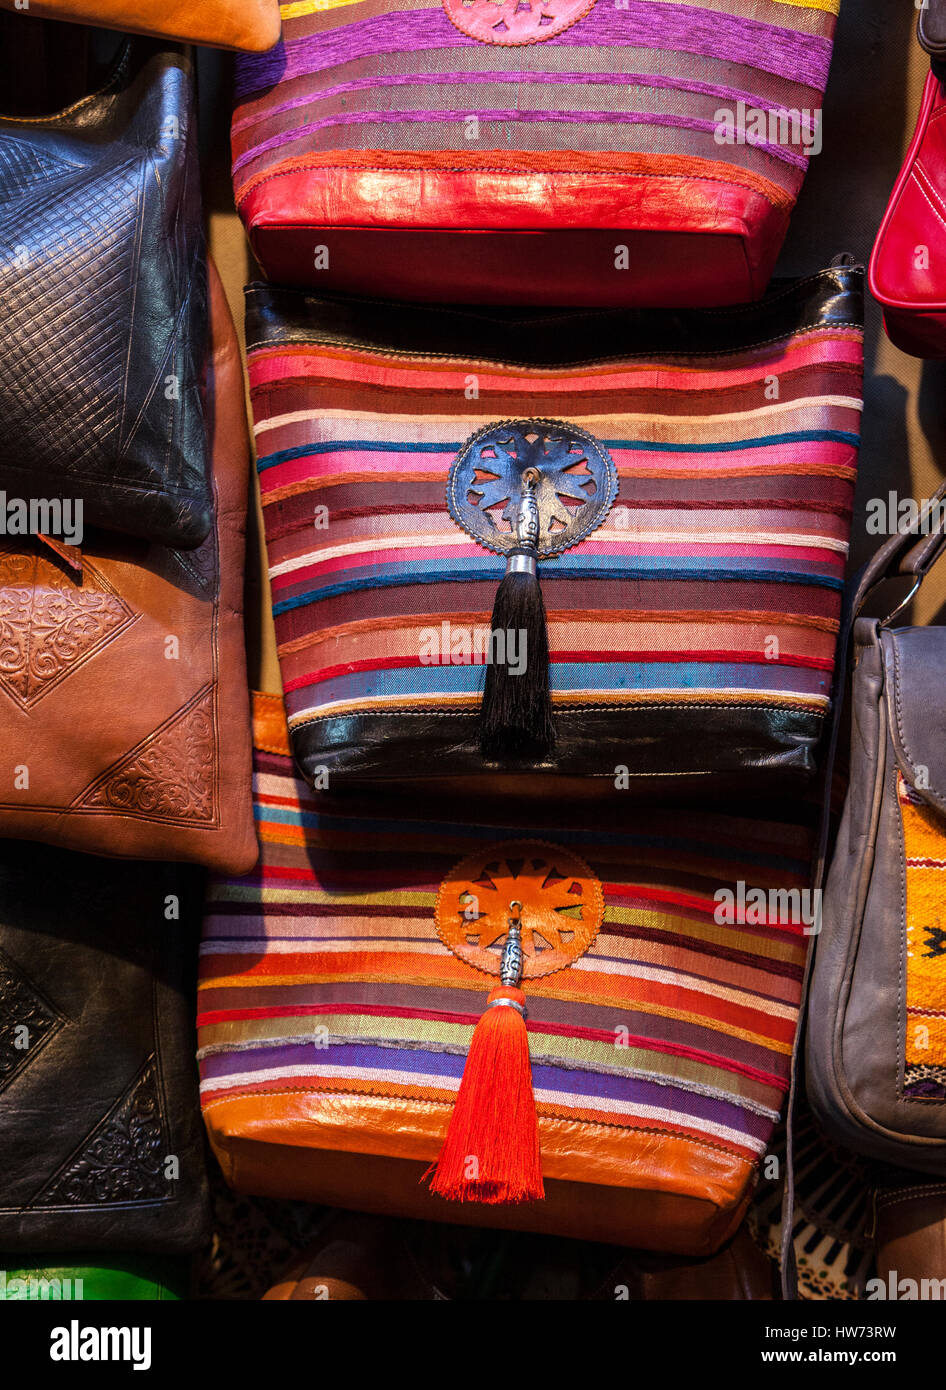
[915, 665]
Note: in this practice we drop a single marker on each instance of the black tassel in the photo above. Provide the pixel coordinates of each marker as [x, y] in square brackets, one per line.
[516, 716]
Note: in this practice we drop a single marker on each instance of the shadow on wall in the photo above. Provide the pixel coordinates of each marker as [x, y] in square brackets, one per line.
[931, 408]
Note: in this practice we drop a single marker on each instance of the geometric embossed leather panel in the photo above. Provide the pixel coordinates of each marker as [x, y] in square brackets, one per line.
[169, 775]
[87, 1126]
[103, 304]
[122, 1160]
[49, 304]
[24, 166]
[49, 625]
[22, 1006]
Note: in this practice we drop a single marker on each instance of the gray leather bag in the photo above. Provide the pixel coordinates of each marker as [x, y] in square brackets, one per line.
[856, 1024]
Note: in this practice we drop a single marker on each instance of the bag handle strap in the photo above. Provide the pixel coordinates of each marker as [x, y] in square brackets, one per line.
[911, 553]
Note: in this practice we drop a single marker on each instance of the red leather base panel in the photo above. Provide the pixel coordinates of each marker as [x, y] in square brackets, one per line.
[697, 233]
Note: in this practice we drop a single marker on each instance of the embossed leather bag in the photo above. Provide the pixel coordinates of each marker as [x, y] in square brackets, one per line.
[530, 152]
[248, 24]
[100, 1139]
[124, 712]
[341, 981]
[103, 305]
[695, 475]
[876, 1033]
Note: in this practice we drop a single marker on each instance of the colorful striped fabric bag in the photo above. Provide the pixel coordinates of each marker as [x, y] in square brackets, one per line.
[635, 152]
[695, 479]
[339, 987]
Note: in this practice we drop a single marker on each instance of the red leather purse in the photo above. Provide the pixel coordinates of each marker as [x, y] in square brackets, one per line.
[908, 264]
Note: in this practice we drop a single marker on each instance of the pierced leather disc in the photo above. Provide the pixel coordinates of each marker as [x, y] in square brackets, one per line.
[514, 22]
[562, 906]
[576, 488]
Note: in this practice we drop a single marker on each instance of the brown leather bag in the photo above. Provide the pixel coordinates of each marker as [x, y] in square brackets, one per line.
[251, 25]
[910, 1230]
[124, 710]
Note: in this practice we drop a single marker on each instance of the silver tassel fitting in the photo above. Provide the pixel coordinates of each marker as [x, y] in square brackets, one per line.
[510, 969]
[510, 966]
[527, 527]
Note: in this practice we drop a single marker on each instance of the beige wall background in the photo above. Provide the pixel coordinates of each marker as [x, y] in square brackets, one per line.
[869, 112]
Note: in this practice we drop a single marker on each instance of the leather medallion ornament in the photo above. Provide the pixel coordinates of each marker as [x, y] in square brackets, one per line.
[511, 23]
[528, 489]
[576, 484]
[561, 906]
[519, 911]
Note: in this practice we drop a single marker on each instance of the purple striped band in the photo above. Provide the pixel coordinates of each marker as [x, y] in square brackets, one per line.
[801, 58]
[729, 95]
[354, 118]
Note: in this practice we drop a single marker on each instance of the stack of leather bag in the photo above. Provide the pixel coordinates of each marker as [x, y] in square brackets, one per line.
[711, 509]
[124, 716]
[513, 910]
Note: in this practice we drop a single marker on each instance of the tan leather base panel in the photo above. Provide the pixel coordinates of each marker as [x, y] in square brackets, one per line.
[360, 1152]
[610, 1215]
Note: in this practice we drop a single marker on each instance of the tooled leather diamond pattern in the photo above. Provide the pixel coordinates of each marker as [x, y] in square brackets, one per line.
[122, 1160]
[21, 167]
[169, 776]
[51, 302]
[27, 1021]
[50, 625]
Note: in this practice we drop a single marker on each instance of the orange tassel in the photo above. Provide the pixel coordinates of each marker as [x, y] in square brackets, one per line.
[491, 1152]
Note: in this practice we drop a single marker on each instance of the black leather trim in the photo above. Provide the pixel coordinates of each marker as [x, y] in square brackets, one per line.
[683, 748]
[276, 314]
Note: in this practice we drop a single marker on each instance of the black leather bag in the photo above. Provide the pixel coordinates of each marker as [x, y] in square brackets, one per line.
[103, 307]
[100, 1139]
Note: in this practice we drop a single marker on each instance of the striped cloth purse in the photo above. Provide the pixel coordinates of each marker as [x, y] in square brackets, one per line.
[694, 510]
[338, 995]
[634, 152]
